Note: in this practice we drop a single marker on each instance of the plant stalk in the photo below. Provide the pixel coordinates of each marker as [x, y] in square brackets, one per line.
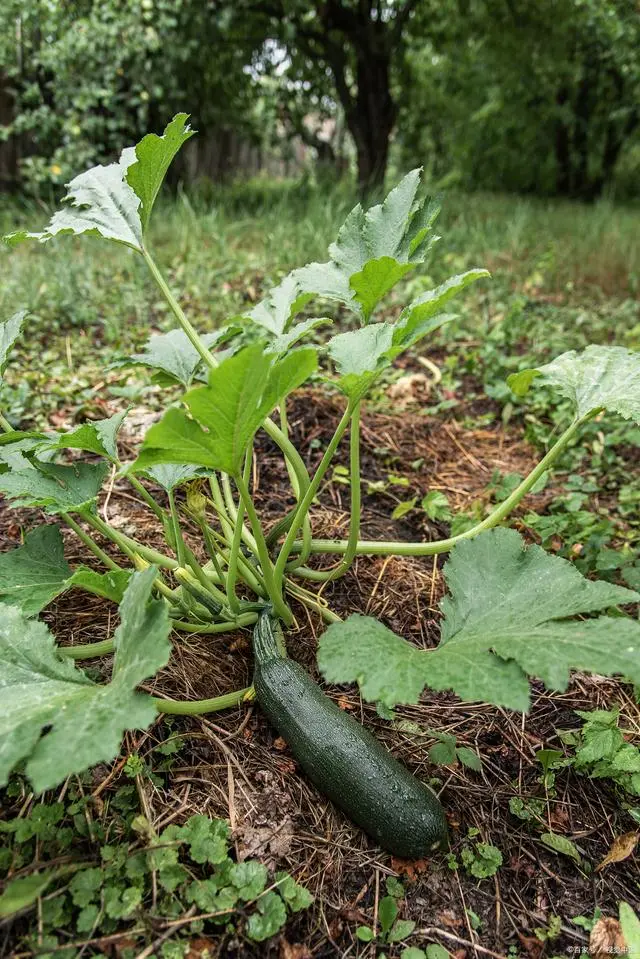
[397, 548]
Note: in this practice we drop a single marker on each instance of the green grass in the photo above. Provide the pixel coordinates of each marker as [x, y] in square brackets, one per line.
[223, 248]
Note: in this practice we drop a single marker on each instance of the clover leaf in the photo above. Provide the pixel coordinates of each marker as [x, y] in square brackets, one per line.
[507, 618]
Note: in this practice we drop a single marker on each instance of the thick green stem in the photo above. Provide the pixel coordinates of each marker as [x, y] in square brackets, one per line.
[6, 425]
[178, 312]
[275, 592]
[244, 619]
[198, 706]
[89, 543]
[146, 496]
[307, 499]
[177, 532]
[295, 485]
[394, 548]
[129, 545]
[355, 506]
[232, 572]
[88, 651]
[232, 511]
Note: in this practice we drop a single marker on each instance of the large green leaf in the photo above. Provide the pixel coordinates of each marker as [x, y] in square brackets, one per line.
[58, 489]
[241, 392]
[415, 320]
[507, 618]
[34, 574]
[176, 439]
[173, 354]
[374, 249]
[600, 377]
[274, 314]
[42, 690]
[154, 155]
[99, 202]
[360, 354]
[9, 332]
[97, 437]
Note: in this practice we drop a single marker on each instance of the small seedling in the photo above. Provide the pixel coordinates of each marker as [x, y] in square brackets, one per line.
[392, 929]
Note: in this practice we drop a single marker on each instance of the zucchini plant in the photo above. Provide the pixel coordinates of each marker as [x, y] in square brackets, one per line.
[513, 612]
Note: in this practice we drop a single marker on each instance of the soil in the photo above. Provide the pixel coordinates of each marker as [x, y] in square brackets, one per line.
[233, 765]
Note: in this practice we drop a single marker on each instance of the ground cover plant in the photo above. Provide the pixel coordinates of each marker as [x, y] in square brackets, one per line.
[511, 609]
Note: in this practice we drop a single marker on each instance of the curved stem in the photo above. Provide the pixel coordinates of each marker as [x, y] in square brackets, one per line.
[275, 593]
[178, 312]
[88, 650]
[232, 510]
[307, 499]
[295, 485]
[89, 543]
[313, 602]
[326, 575]
[244, 619]
[394, 548]
[196, 707]
[146, 496]
[6, 425]
[129, 545]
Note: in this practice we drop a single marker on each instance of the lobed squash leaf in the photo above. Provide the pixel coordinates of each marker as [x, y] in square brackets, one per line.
[115, 201]
[506, 619]
[55, 488]
[361, 354]
[32, 575]
[374, 249]
[153, 157]
[99, 202]
[241, 392]
[85, 722]
[97, 437]
[10, 330]
[173, 354]
[599, 377]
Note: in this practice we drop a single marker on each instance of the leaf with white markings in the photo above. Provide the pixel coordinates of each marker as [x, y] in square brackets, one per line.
[57, 489]
[600, 377]
[99, 202]
[506, 618]
[9, 332]
[173, 355]
[374, 249]
[42, 690]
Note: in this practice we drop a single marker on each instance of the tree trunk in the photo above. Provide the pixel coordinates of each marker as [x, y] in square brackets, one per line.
[371, 118]
[562, 147]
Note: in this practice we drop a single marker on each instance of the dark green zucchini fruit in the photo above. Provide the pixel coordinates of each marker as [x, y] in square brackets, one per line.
[341, 757]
